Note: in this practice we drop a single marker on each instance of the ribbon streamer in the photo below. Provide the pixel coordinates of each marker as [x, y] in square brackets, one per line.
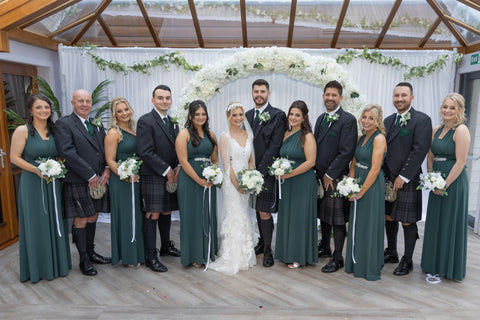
[56, 209]
[133, 209]
[353, 229]
[43, 195]
[209, 221]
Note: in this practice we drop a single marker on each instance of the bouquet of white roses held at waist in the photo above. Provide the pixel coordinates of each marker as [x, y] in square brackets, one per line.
[347, 187]
[128, 168]
[214, 174]
[251, 181]
[432, 181]
[51, 169]
[280, 167]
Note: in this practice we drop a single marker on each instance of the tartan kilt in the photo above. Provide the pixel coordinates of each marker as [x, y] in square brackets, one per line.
[408, 206]
[267, 200]
[77, 202]
[333, 210]
[154, 195]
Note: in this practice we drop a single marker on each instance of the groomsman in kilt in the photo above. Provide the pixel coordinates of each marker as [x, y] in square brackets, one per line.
[336, 136]
[156, 135]
[268, 125]
[80, 144]
[409, 133]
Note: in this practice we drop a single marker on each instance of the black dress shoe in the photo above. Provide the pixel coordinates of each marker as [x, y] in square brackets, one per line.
[155, 265]
[268, 259]
[259, 248]
[98, 259]
[324, 252]
[87, 268]
[390, 257]
[170, 250]
[332, 266]
[404, 267]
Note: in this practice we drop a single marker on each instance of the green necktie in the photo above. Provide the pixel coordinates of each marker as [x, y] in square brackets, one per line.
[257, 116]
[167, 123]
[398, 120]
[324, 121]
[89, 127]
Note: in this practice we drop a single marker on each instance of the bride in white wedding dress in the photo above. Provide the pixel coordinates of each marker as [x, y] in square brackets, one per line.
[236, 232]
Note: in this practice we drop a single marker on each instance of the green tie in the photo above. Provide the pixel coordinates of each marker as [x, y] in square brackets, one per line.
[324, 121]
[257, 116]
[398, 120]
[167, 123]
[89, 127]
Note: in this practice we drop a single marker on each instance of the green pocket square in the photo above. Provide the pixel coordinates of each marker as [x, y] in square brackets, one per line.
[332, 134]
[404, 132]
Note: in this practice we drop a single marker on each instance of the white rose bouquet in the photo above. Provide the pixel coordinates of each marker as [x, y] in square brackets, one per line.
[128, 168]
[214, 174]
[347, 187]
[51, 169]
[250, 181]
[432, 181]
[280, 167]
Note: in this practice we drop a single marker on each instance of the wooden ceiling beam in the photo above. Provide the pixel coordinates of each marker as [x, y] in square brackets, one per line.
[149, 23]
[196, 24]
[107, 31]
[243, 15]
[471, 4]
[48, 14]
[34, 39]
[429, 33]
[87, 26]
[291, 26]
[472, 48]
[463, 25]
[71, 25]
[387, 23]
[341, 18]
[441, 15]
[4, 44]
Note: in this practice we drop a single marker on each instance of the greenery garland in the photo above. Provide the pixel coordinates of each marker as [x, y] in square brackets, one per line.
[374, 56]
[163, 61]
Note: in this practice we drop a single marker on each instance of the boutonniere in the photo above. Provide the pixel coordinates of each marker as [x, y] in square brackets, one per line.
[405, 119]
[97, 122]
[174, 120]
[265, 116]
[332, 118]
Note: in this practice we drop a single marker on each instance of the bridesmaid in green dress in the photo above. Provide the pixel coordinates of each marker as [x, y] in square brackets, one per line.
[196, 148]
[126, 224]
[297, 232]
[364, 256]
[44, 247]
[444, 251]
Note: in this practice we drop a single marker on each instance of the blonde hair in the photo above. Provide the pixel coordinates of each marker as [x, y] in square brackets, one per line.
[231, 107]
[377, 112]
[459, 102]
[113, 120]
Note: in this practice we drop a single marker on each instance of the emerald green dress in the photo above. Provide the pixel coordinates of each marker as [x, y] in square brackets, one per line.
[297, 232]
[44, 254]
[121, 226]
[445, 239]
[198, 224]
[367, 238]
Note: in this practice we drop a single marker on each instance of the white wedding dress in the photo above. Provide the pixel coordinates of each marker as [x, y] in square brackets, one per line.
[236, 232]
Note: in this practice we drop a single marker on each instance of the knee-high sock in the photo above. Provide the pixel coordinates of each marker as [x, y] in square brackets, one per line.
[150, 237]
[410, 234]
[259, 224]
[90, 231]
[326, 234]
[391, 228]
[267, 230]
[164, 222]
[339, 239]
[79, 236]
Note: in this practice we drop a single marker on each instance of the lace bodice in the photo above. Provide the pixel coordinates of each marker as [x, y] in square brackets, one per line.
[239, 155]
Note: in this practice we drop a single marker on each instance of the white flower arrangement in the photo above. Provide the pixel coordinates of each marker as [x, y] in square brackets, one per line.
[250, 181]
[347, 187]
[214, 174]
[432, 181]
[127, 169]
[265, 116]
[294, 63]
[280, 166]
[332, 118]
[51, 169]
[405, 118]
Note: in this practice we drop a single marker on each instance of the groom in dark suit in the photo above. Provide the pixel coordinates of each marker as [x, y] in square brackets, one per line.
[336, 136]
[268, 125]
[80, 144]
[156, 135]
[409, 134]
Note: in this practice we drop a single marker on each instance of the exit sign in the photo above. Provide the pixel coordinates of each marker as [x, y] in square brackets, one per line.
[474, 59]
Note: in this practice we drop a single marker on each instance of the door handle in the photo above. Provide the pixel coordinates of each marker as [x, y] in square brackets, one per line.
[2, 154]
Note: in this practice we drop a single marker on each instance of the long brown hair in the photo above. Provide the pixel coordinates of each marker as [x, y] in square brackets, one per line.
[50, 124]
[194, 136]
[305, 125]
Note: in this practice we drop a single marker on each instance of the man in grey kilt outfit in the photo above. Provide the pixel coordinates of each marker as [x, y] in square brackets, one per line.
[336, 136]
[156, 135]
[268, 125]
[80, 144]
[409, 134]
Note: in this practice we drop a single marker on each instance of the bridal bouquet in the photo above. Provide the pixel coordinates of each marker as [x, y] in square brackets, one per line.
[51, 169]
[250, 180]
[280, 167]
[128, 168]
[214, 174]
[432, 181]
[347, 187]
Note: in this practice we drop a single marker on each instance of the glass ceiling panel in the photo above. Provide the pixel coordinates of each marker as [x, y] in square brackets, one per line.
[65, 17]
[462, 13]
[95, 34]
[469, 36]
[68, 35]
[267, 21]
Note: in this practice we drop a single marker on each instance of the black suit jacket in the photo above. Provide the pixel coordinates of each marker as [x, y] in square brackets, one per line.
[336, 144]
[84, 155]
[268, 137]
[156, 144]
[407, 145]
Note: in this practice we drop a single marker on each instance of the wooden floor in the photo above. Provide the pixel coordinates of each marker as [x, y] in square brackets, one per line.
[119, 292]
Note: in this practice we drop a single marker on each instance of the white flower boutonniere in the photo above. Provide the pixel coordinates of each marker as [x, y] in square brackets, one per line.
[97, 122]
[332, 118]
[265, 116]
[405, 119]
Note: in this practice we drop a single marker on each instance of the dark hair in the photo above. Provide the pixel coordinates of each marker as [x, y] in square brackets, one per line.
[30, 102]
[161, 87]
[306, 128]
[405, 84]
[194, 136]
[334, 84]
[261, 82]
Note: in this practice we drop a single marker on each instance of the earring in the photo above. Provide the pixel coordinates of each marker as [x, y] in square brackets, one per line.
[289, 127]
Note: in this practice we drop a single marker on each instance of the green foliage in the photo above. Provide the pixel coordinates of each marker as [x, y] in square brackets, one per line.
[14, 120]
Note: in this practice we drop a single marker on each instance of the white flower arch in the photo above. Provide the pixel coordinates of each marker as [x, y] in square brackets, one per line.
[315, 70]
